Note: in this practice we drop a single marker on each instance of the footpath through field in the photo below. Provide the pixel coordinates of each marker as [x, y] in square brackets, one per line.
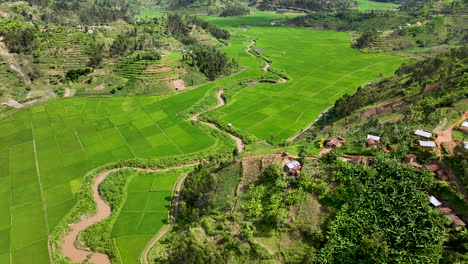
[103, 211]
[239, 143]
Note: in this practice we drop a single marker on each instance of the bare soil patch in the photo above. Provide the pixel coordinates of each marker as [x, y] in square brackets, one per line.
[158, 69]
[179, 84]
[446, 136]
[100, 87]
[13, 103]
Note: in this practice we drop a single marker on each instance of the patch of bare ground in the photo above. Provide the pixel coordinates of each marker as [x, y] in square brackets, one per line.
[100, 87]
[446, 136]
[4, 14]
[179, 84]
[253, 84]
[158, 69]
[13, 103]
[253, 166]
[12, 62]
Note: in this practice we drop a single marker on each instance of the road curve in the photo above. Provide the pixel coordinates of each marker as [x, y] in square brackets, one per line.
[239, 143]
[103, 210]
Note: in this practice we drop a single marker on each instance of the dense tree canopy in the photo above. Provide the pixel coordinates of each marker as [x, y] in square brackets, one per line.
[17, 35]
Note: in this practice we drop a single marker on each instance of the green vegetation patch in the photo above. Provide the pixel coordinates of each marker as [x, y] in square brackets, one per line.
[321, 67]
[66, 138]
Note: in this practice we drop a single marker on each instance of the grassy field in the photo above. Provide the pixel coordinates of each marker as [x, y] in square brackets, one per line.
[364, 5]
[46, 150]
[143, 213]
[322, 67]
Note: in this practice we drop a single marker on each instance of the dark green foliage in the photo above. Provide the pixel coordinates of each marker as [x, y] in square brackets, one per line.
[18, 36]
[73, 75]
[176, 26]
[210, 27]
[268, 201]
[121, 45]
[235, 10]
[365, 39]
[210, 61]
[96, 55]
[88, 12]
[456, 247]
[197, 195]
[187, 250]
[384, 216]
[308, 5]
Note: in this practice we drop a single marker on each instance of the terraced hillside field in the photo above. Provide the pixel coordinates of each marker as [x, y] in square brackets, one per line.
[321, 65]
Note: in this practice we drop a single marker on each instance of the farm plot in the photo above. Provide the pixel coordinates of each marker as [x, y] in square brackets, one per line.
[321, 66]
[144, 212]
[46, 150]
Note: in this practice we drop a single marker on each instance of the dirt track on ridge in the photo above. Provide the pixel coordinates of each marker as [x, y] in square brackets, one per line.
[446, 135]
[103, 211]
[240, 144]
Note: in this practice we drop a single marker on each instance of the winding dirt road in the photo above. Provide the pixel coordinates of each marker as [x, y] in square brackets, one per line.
[240, 144]
[103, 210]
[446, 135]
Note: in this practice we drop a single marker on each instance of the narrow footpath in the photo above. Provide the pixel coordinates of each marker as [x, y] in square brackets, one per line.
[240, 144]
[103, 210]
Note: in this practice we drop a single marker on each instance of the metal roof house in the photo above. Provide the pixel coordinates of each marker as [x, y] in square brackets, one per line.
[427, 144]
[464, 126]
[422, 133]
[373, 140]
[434, 201]
[293, 167]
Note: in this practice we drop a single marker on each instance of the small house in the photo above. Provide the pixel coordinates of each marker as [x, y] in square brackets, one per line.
[410, 158]
[373, 140]
[90, 31]
[446, 210]
[456, 221]
[434, 201]
[360, 160]
[293, 167]
[463, 127]
[465, 145]
[429, 145]
[422, 133]
[432, 167]
[334, 142]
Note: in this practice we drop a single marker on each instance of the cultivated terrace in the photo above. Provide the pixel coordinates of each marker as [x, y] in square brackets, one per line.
[221, 131]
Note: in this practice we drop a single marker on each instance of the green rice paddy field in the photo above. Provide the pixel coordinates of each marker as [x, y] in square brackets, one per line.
[321, 66]
[46, 150]
[144, 212]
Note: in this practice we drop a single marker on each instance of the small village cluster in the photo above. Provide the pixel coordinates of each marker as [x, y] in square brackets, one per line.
[293, 167]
